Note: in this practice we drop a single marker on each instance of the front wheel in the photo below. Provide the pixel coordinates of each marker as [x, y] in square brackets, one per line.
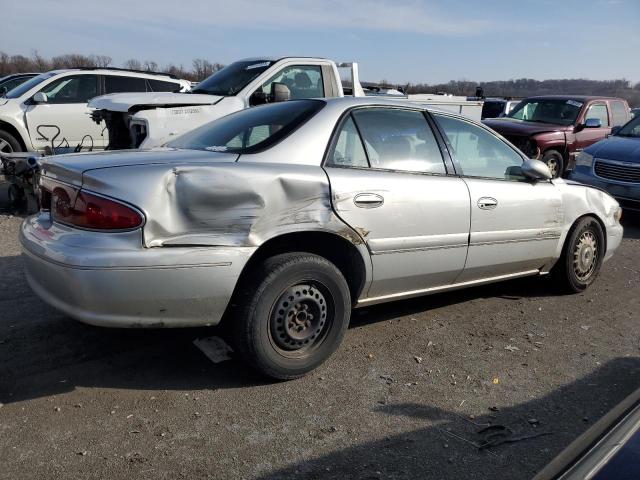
[581, 258]
[555, 162]
[293, 312]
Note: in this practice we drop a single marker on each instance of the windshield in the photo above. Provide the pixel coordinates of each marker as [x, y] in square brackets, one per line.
[250, 130]
[631, 129]
[556, 111]
[232, 78]
[28, 85]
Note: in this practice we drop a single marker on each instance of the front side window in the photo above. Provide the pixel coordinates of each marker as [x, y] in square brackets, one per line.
[121, 83]
[555, 111]
[478, 152]
[72, 89]
[303, 81]
[399, 140]
[250, 130]
[348, 150]
[620, 113]
[600, 112]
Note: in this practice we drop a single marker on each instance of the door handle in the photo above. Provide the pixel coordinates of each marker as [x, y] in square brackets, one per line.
[487, 203]
[368, 200]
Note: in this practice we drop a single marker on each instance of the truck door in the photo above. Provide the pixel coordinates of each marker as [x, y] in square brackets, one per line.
[64, 118]
[588, 136]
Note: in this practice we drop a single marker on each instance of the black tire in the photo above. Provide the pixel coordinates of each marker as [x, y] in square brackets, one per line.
[582, 256]
[284, 338]
[555, 162]
[9, 143]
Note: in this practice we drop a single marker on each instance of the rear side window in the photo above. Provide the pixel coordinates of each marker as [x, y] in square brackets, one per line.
[620, 113]
[478, 152]
[162, 86]
[118, 84]
[599, 111]
[399, 140]
[348, 150]
[250, 130]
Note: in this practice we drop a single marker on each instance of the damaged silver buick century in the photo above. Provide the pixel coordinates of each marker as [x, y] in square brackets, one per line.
[282, 218]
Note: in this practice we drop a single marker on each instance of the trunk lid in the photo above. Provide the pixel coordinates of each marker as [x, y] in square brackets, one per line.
[70, 168]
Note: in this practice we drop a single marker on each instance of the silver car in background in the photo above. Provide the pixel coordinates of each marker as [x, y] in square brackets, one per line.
[282, 218]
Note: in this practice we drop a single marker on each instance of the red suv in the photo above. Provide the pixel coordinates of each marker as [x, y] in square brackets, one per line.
[554, 128]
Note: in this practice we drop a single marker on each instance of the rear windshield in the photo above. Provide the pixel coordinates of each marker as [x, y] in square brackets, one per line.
[28, 85]
[250, 130]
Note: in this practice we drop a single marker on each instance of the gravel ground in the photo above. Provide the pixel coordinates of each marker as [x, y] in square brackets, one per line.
[405, 396]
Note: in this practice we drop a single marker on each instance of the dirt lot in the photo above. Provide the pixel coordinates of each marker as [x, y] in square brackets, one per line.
[86, 402]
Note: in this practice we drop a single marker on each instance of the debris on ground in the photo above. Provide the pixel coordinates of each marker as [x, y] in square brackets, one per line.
[511, 348]
[215, 348]
[418, 359]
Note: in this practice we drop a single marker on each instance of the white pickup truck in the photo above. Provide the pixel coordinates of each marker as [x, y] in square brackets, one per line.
[146, 120]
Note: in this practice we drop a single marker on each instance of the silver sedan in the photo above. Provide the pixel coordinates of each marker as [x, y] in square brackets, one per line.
[282, 218]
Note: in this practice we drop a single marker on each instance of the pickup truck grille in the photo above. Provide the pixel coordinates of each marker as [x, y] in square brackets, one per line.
[522, 143]
[617, 171]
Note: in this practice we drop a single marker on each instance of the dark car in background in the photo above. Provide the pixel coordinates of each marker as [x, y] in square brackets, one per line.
[554, 128]
[12, 81]
[614, 165]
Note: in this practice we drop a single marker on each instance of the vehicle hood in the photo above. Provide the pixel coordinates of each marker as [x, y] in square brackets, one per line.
[511, 126]
[622, 149]
[70, 168]
[123, 102]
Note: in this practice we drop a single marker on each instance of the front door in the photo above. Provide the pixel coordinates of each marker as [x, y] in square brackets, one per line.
[589, 136]
[390, 184]
[64, 119]
[515, 223]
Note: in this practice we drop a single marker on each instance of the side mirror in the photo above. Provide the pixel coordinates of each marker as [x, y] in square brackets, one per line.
[615, 129]
[536, 170]
[280, 92]
[592, 123]
[3, 90]
[40, 97]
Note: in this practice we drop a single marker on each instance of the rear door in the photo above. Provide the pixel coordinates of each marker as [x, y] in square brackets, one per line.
[65, 119]
[390, 183]
[515, 223]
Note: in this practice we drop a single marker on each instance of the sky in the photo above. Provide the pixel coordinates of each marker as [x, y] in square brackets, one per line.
[428, 41]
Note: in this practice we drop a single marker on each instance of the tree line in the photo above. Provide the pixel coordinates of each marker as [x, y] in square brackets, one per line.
[199, 69]
[202, 68]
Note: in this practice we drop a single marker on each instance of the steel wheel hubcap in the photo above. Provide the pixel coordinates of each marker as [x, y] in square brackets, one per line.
[552, 163]
[5, 146]
[299, 317]
[585, 255]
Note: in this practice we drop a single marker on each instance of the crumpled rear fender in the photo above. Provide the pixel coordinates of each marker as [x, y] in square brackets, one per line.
[224, 204]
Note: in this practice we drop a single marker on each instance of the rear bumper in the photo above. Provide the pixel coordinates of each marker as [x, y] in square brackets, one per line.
[102, 279]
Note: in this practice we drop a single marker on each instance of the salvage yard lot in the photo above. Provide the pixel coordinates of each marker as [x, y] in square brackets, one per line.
[404, 397]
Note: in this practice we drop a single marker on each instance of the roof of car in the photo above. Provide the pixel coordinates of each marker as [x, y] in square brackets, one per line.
[115, 70]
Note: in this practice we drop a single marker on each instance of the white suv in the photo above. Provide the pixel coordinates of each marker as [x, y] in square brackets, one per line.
[50, 110]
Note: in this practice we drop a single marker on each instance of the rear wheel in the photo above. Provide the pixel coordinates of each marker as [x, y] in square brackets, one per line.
[293, 313]
[555, 162]
[582, 257]
[8, 143]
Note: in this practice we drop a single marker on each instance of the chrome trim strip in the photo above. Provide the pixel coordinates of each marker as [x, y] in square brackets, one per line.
[422, 242]
[443, 288]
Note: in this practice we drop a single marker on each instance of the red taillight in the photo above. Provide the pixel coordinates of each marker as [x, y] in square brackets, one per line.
[85, 210]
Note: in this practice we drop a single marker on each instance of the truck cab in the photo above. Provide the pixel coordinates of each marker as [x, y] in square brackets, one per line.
[146, 120]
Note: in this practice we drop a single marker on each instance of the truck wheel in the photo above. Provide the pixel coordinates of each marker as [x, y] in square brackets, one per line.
[8, 143]
[581, 258]
[293, 313]
[555, 162]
